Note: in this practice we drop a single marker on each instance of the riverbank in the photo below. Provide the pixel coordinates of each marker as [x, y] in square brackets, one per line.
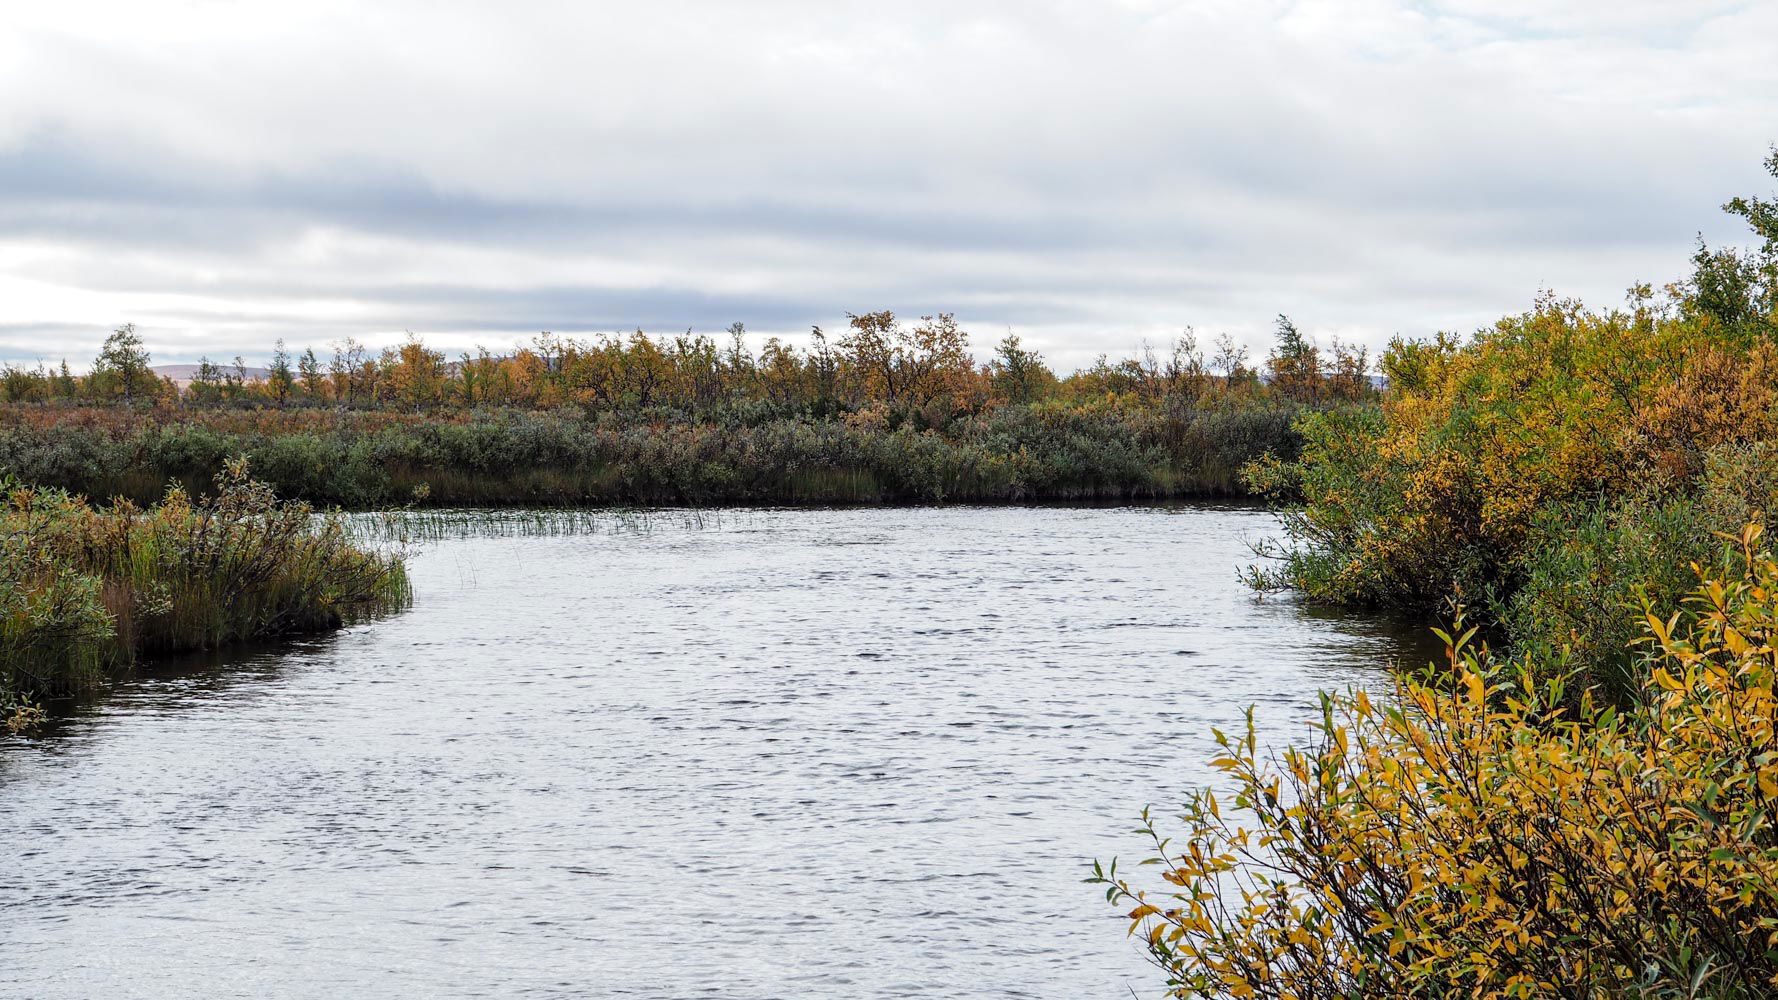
[1557, 468]
[1486, 826]
[89, 590]
[1108, 450]
[761, 710]
[1583, 807]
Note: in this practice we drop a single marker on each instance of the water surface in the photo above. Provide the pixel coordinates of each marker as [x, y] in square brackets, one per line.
[851, 753]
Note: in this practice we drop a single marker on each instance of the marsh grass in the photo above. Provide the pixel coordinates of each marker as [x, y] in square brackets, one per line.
[1041, 452]
[418, 525]
[87, 589]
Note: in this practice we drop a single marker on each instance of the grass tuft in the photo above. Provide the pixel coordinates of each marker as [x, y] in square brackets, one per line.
[86, 589]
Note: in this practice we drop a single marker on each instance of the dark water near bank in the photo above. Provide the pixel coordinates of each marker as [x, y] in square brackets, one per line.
[782, 754]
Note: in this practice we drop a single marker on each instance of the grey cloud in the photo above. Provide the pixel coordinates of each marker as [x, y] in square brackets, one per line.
[1093, 171]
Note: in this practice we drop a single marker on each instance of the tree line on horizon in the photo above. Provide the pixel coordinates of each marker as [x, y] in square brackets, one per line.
[880, 360]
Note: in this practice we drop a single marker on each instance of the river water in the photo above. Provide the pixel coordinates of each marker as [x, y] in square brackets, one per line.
[762, 754]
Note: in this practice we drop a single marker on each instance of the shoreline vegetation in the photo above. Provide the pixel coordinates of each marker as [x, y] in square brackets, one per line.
[88, 591]
[889, 413]
[490, 458]
[1588, 807]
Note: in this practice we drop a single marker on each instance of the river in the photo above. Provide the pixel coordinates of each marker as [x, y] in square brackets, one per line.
[752, 754]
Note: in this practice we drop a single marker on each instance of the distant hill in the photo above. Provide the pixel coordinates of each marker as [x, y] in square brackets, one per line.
[183, 374]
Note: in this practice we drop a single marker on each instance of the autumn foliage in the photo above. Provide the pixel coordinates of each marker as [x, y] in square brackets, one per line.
[86, 589]
[1480, 832]
[1588, 809]
[892, 411]
[1552, 467]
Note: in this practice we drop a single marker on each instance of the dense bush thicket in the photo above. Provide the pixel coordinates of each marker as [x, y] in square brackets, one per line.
[85, 589]
[923, 372]
[1485, 833]
[1591, 814]
[888, 413]
[1555, 466]
[1043, 451]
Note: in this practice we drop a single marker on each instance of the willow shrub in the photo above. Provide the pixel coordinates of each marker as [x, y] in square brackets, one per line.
[1543, 474]
[85, 588]
[1440, 489]
[1488, 457]
[1486, 834]
[1588, 562]
[1045, 451]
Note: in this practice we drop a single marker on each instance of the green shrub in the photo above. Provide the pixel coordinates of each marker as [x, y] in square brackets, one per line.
[1482, 833]
[86, 589]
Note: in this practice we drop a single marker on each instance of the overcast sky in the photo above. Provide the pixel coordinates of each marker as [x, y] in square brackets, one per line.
[1088, 174]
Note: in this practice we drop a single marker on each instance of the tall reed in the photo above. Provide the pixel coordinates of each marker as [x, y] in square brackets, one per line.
[84, 589]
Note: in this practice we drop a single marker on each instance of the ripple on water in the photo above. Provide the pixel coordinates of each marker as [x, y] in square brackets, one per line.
[783, 753]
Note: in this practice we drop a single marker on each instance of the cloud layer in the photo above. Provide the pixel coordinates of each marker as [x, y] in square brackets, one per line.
[1089, 173]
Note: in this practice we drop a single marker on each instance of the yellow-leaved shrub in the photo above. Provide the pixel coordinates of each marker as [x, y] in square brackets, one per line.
[1483, 832]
